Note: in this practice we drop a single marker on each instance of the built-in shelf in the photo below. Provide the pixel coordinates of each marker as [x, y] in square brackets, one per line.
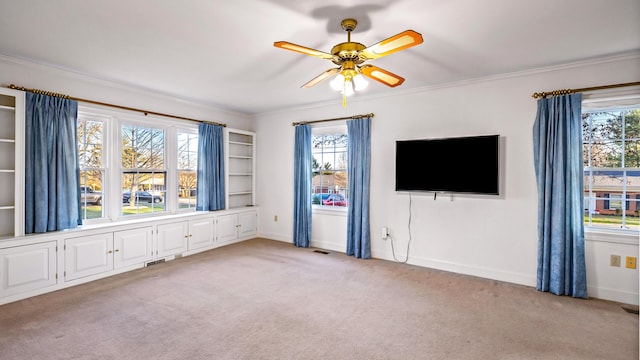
[240, 168]
[12, 104]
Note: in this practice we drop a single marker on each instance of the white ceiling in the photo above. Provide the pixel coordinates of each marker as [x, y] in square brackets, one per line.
[221, 52]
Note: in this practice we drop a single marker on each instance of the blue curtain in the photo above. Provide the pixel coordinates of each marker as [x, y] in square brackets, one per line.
[557, 142]
[302, 187]
[359, 158]
[210, 178]
[52, 176]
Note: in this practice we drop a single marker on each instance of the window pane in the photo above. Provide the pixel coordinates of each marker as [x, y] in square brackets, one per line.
[148, 191]
[610, 181]
[187, 169]
[90, 156]
[632, 124]
[632, 154]
[142, 148]
[91, 194]
[606, 125]
[606, 154]
[186, 189]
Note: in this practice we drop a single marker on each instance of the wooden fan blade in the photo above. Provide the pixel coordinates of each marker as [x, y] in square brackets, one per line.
[404, 40]
[381, 75]
[301, 49]
[321, 77]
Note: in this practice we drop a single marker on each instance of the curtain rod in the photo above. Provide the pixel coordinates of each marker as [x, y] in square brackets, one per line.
[571, 91]
[334, 119]
[145, 112]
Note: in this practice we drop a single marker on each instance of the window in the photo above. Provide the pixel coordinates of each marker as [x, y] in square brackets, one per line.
[151, 169]
[92, 166]
[611, 155]
[143, 170]
[329, 167]
[187, 166]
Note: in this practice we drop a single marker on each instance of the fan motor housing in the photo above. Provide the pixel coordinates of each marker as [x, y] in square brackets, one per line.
[347, 51]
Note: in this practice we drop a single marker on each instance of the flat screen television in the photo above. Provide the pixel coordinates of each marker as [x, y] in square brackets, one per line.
[451, 165]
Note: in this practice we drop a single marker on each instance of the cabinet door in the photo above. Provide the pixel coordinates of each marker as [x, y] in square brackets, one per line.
[132, 246]
[88, 255]
[226, 228]
[28, 267]
[200, 233]
[172, 238]
[248, 224]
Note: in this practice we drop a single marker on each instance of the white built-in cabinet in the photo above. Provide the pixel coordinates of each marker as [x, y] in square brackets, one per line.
[240, 150]
[200, 233]
[95, 254]
[234, 227]
[176, 238]
[172, 238]
[12, 108]
[40, 263]
[132, 247]
[27, 268]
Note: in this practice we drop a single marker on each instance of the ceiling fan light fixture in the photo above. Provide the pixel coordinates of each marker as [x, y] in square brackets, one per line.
[337, 83]
[350, 56]
[359, 82]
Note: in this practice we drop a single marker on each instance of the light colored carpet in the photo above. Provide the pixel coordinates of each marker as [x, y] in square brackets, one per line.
[263, 299]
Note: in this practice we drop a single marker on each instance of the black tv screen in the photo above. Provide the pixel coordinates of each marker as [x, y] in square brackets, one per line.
[452, 165]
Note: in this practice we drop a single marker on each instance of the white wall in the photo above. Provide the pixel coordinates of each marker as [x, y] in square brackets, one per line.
[37, 76]
[493, 237]
[486, 236]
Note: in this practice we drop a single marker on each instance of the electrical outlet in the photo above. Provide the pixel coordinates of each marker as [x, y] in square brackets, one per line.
[275, 218]
[631, 262]
[384, 233]
[615, 260]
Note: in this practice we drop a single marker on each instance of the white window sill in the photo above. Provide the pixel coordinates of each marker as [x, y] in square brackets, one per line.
[628, 237]
[326, 210]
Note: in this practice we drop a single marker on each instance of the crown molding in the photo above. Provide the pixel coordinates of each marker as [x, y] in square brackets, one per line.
[117, 85]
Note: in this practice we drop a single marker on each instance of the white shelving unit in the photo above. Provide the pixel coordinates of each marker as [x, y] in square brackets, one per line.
[240, 167]
[12, 104]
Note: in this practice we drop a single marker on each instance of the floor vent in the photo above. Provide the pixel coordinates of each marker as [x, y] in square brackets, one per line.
[631, 309]
[321, 252]
[155, 262]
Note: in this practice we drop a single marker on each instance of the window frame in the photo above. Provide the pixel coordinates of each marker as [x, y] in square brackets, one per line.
[610, 194]
[332, 129]
[88, 115]
[113, 120]
[144, 170]
[190, 131]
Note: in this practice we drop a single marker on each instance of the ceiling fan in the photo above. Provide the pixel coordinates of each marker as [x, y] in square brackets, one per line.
[350, 56]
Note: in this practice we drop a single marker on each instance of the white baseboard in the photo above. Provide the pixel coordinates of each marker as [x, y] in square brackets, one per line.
[483, 272]
[278, 237]
[612, 295]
